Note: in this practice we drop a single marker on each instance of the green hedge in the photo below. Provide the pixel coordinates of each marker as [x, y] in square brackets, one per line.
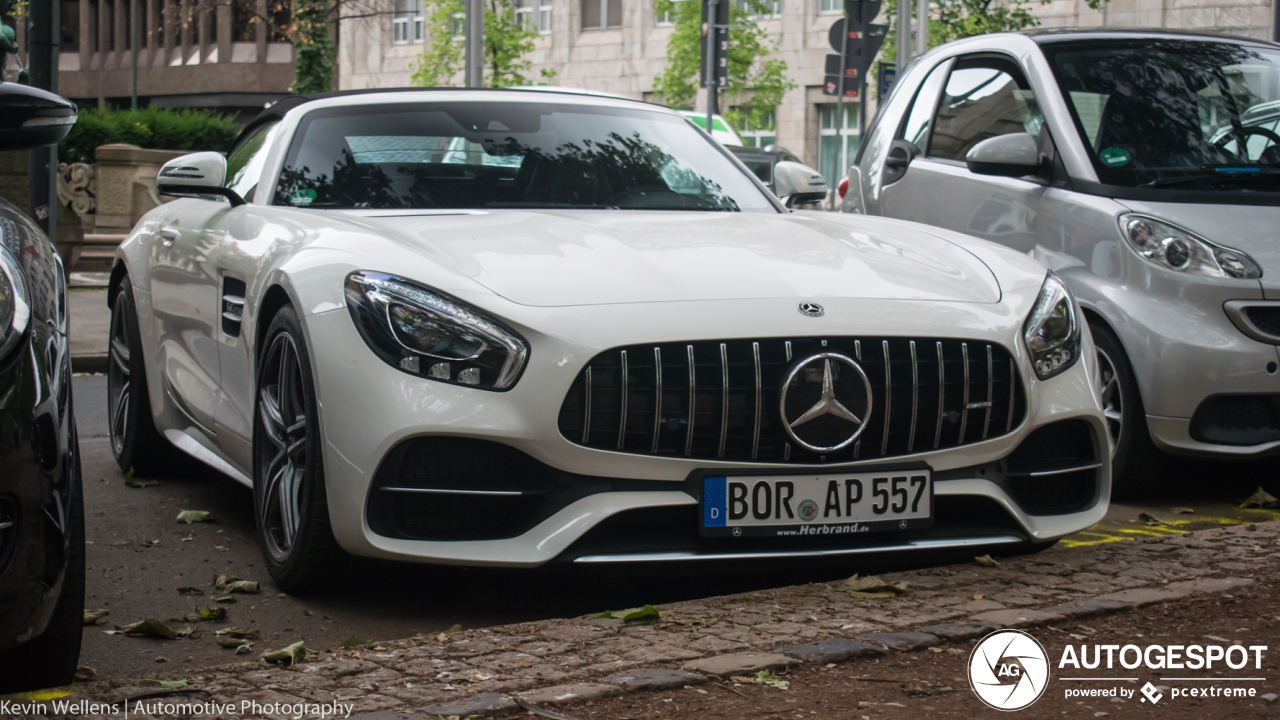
[154, 128]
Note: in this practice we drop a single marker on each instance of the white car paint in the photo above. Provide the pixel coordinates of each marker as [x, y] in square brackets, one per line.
[573, 283]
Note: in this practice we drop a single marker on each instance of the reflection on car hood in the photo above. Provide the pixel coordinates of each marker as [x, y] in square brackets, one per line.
[1248, 228]
[597, 257]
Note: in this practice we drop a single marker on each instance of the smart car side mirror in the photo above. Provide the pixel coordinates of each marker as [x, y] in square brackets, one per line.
[797, 184]
[1012, 155]
[33, 118]
[197, 175]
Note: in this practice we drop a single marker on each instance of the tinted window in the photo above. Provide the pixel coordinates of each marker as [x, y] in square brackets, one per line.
[509, 155]
[1166, 110]
[244, 164]
[984, 98]
[916, 130]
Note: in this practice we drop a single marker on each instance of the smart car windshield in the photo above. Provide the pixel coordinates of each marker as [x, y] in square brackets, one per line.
[1167, 112]
[509, 155]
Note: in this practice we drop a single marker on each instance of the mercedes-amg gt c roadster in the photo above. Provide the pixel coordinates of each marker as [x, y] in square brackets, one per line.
[509, 328]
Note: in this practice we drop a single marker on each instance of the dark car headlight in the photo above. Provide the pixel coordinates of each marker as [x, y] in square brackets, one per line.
[1051, 332]
[427, 333]
[15, 307]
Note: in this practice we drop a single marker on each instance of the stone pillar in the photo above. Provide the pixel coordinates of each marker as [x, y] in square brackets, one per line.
[263, 31]
[204, 34]
[170, 31]
[154, 33]
[224, 32]
[104, 46]
[120, 19]
[186, 19]
[87, 34]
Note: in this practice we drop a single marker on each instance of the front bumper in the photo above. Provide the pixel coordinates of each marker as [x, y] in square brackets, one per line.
[368, 409]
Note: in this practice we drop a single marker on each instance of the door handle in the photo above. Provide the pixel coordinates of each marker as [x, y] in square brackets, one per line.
[168, 235]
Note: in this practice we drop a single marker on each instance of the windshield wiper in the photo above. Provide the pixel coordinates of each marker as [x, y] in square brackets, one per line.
[1220, 173]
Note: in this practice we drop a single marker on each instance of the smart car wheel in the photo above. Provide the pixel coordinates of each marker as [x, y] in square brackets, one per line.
[1136, 463]
[289, 492]
[135, 442]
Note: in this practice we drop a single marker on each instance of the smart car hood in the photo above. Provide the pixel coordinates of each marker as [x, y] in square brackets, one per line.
[563, 257]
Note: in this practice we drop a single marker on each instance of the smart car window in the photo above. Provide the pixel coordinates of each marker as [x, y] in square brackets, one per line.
[916, 129]
[983, 98]
[509, 155]
[244, 163]
[1172, 111]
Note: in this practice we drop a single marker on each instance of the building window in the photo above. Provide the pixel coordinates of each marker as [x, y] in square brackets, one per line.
[601, 14]
[458, 27]
[834, 160]
[406, 24]
[830, 7]
[660, 18]
[762, 9]
[534, 15]
[761, 135]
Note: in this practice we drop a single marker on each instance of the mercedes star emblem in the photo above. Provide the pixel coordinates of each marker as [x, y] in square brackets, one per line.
[811, 309]
[825, 401]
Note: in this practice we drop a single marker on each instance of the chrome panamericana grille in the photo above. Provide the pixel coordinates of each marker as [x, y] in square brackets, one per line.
[718, 399]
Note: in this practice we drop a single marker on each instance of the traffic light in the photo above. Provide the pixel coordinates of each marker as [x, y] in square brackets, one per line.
[856, 41]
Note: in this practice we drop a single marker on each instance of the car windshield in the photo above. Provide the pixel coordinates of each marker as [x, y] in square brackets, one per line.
[509, 155]
[1157, 112]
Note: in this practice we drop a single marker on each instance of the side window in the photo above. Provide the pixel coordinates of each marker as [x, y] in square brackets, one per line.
[916, 129]
[984, 97]
[244, 164]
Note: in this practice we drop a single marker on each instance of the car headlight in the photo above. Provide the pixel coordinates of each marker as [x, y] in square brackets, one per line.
[1051, 332]
[15, 308]
[1174, 248]
[427, 333]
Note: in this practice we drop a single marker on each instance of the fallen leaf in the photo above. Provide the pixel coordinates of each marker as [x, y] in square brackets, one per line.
[233, 642]
[150, 543]
[225, 599]
[239, 632]
[244, 649]
[213, 614]
[173, 684]
[872, 587]
[243, 586]
[154, 627]
[1182, 511]
[741, 679]
[287, 656]
[1150, 519]
[84, 672]
[196, 516]
[979, 596]
[442, 637]
[130, 482]
[354, 641]
[225, 579]
[764, 677]
[1260, 499]
[188, 538]
[648, 612]
[91, 617]
[935, 649]
[454, 628]
[188, 590]
[986, 561]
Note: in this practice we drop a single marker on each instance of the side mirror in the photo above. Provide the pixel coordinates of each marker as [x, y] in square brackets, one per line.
[797, 184]
[197, 175]
[33, 118]
[1012, 155]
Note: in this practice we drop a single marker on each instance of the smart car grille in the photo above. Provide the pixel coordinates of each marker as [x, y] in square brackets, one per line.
[1266, 318]
[719, 400]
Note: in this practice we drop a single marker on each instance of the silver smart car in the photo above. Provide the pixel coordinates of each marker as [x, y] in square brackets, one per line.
[1143, 167]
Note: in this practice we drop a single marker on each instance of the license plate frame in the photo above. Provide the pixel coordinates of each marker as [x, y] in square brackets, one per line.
[828, 521]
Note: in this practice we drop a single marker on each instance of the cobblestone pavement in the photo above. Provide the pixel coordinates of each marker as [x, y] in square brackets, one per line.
[559, 662]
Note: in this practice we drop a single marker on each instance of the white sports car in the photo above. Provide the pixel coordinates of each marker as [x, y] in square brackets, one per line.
[509, 328]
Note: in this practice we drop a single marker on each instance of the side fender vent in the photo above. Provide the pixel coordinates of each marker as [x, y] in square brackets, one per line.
[232, 306]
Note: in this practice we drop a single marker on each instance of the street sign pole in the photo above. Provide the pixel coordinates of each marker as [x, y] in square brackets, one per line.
[475, 43]
[43, 40]
[712, 36]
[922, 27]
[904, 33]
[844, 77]
[133, 45]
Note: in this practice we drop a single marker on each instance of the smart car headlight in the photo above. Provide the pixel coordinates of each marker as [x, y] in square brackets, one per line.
[427, 333]
[1174, 248]
[1051, 332]
[15, 308]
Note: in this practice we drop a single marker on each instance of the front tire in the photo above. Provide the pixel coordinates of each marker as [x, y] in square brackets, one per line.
[288, 474]
[1136, 463]
[135, 442]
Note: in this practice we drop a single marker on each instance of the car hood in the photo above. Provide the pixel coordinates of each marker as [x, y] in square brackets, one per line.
[565, 258]
[1248, 228]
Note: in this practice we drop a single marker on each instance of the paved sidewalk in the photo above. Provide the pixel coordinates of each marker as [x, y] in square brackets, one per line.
[90, 323]
[559, 662]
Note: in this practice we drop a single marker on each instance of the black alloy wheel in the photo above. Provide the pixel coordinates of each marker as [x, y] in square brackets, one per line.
[135, 442]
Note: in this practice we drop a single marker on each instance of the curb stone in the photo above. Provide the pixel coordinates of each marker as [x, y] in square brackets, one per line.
[490, 666]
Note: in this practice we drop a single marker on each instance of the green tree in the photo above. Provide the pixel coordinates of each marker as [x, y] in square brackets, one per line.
[313, 46]
[506, 45]
[756, 82]
[954, 19]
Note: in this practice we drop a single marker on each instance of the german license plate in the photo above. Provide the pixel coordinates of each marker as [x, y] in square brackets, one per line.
[822, 505]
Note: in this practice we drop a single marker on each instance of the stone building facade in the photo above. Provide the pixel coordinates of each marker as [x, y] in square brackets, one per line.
[1243, 18]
